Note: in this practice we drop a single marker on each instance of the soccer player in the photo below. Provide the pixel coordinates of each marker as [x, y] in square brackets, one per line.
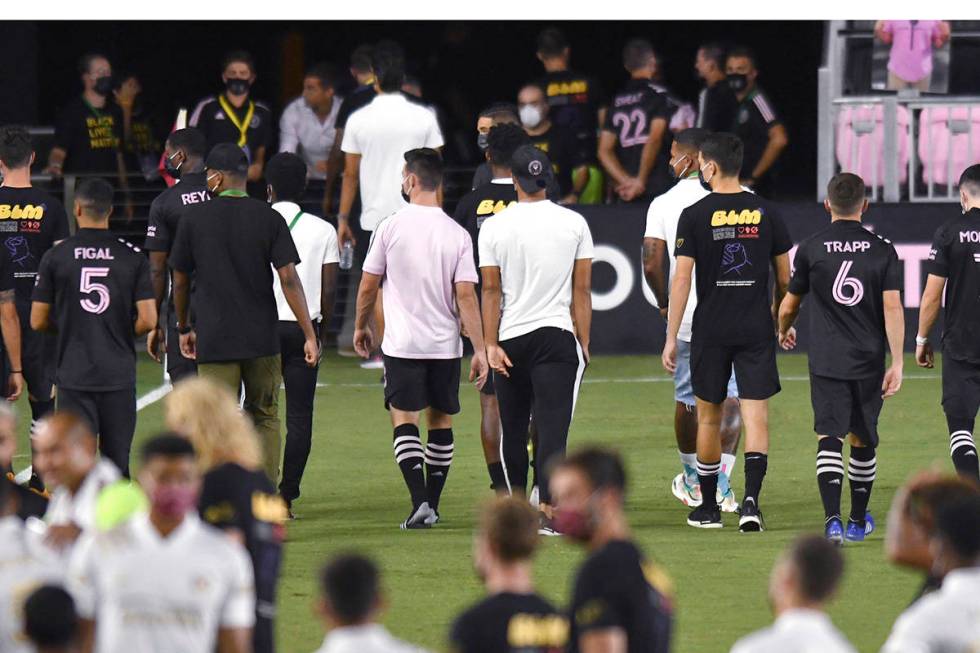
[50, 620]
[955, 275]
[661, 231]
[39, 222]
[31, 502]
[513, 617]
[94, 283]
[621, 600]
[732, 236]
[184, 154]
[805, 577]
[164, 581]
[425, 261]
[855, 279]
[536, 265]
[946, 620]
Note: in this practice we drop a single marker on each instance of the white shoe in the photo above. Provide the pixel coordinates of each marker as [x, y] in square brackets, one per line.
[375, 363]
[689, 495]
[420, 518]
[727, 502]
[535, 498]
[23, 477]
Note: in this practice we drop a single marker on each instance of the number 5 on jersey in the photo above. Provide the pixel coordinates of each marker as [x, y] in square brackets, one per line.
[848, 291]
[88, 284]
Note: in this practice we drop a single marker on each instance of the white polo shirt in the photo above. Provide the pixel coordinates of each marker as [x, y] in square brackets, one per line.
[25, 564]
[79, 509]
[370, 638]
[302, 133]
[535, 245]
[316, 242]
[381, 133]
[149, 594]
[946, 620]
[796, 631]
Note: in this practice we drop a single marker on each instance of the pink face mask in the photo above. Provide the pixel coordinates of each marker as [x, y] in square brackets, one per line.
[173, 500]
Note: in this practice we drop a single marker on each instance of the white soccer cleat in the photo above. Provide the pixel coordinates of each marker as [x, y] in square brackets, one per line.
[689, 495]
[535, 498]
[727, 501]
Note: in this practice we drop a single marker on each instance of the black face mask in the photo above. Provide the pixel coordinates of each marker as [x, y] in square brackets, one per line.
[738, 82]
[238, 86]
[704, 184]
[103, 85]
[172, 170]
[482, 141]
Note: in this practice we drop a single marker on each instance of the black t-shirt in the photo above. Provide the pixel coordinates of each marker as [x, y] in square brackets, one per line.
[616, 587]
[565, 152]
[575, 101]
[30, 503]
[510, 623]
[846, 268]
[230, 245]
[234, 498]
[360, 97]
[754, 117]
[93, 280]
[716, 107]
[732, 239]
[91, 137]
[955, 255]
[168, 207]
[631, 113]
[31, 221]
[211, 117]
[484, 202]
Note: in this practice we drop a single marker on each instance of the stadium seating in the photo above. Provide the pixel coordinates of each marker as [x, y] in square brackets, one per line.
[860, 139]
[949, 142]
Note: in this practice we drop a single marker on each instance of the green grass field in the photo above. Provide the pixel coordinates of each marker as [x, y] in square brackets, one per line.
[353, 499]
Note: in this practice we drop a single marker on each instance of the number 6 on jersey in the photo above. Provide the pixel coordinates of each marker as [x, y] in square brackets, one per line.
[854, 288]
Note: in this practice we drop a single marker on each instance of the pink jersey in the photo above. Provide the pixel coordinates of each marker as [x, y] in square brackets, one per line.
[911, 53]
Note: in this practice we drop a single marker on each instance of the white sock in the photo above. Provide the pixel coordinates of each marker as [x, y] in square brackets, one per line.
[689, 461]
[727, 464]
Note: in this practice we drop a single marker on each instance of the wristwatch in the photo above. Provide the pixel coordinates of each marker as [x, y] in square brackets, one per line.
[184, 330]
[920, 341]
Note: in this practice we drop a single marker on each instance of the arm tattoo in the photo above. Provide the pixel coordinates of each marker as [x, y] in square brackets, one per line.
[6, 296]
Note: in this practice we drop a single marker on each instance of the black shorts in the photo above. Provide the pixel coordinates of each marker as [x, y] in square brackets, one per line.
[38, 351]
[842, 406]
[413, 384]
[755, 370]
[488, 388]
[961, 388]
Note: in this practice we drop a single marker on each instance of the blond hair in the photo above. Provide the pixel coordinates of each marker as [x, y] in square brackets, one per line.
[207, 413]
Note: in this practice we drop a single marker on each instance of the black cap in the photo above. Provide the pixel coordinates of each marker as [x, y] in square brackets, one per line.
[531, 169]
[227, 157]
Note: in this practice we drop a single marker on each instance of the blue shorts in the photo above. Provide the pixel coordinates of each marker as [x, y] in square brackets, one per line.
[683, 390]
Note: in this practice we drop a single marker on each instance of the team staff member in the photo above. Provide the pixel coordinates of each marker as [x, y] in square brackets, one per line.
[716, 101]
[361, 96]
[308, 124]
[498, 113]
[40, 222]
[536, 265]
[634, 141]
[184, 161]
[234, 117]
[230, 245]
[756, 122]
[661, 231]
[513, 617]
[133, 585]
[732, 236]
[955, 275]
[95, 283]
[425, 261]
[565, 152]
[316, 242]
[473, 210]
[621, 601]
[856, 280]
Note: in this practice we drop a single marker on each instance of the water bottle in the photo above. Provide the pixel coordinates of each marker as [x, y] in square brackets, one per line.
[347, 256]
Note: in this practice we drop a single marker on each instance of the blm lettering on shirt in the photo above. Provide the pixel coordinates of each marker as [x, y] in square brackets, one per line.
[101, 134]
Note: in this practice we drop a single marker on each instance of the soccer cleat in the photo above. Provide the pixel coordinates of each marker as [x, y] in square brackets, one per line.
[869, 524]
[419, 518]
[433, 518]
[834, 530]
[546, 526]
[727, 501]
[750, 520]
[373, 363]
[535, 498]
[689, 495]
[854, 532]
[705, 516]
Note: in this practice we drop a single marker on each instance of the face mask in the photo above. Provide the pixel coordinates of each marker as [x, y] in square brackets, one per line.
[673, 168]
[481, 141]
[173, 500]
[704, 182]
[530, 116]
[405, 193]
[238, 86]
[172, 170]
[738, 82]
[103, 85]
[215, 189]
[573, 524]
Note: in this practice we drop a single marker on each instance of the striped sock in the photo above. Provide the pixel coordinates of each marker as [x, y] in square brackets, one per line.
[410, 458]
[830, 474]
[438, 458]
[861, 471]
[708, 477]
[963, 451]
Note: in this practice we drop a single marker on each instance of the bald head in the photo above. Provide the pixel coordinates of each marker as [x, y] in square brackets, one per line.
[64, 450]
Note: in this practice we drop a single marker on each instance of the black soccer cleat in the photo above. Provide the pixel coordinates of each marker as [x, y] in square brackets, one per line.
[750, 520]
[705, 516]
[419, 518]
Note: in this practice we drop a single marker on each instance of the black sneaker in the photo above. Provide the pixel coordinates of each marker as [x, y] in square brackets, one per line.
[705, 516]
[419, 518]
[546, 526]
[750, 520]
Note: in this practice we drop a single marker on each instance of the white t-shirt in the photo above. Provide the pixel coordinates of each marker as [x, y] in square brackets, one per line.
[381, 133]
[370, 638]
[535, 245]
[302, 133]
[149, 594]
[64, 508]
[25, 564]
[947, 620]
[796, 631]
[316, 242]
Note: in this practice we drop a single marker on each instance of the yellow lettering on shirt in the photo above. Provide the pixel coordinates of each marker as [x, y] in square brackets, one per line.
[18, 212]
[531, 631]
[100, 132]
[574, 87]
[489, 207]
[732, 218]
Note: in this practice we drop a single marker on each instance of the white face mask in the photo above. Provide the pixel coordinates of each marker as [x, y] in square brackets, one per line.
[208, 180]
[530, 116]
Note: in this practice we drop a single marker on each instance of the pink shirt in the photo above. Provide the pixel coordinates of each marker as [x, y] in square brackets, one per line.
[911, 54]
[422, 253]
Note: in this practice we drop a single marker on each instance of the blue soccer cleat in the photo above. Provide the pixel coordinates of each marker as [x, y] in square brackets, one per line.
[834, 531]
[869, 524]
[854, 532]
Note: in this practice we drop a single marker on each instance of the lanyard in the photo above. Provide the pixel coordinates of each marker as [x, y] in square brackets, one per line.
[292, 224]
[232, 192]
[241, 125]
[95, 112]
